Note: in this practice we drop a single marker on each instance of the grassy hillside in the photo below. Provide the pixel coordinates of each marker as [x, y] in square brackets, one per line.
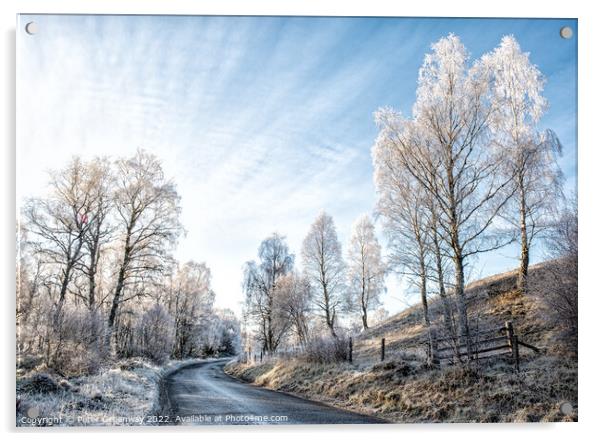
[404, 389]
[491, 302]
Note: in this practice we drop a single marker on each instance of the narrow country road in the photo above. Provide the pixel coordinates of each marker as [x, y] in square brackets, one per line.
[203, 394]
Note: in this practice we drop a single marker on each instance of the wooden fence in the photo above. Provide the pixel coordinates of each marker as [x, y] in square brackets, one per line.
[494, 342]
[500, 341]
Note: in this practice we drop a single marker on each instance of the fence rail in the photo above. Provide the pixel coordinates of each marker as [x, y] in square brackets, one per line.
[484, 343]
[498, 341]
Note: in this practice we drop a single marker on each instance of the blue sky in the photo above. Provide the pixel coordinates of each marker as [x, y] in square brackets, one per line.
[261, 121]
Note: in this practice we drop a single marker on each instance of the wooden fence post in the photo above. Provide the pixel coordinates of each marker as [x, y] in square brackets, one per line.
[350, 350]
[477, 342]
[513, 344]
[435, 357]
[510, 334]
[382, 349]
[515, 353]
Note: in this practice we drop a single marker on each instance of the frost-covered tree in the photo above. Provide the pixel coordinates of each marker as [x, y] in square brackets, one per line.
[295, 303]
[260, 282]
[440, 265]
[402, 206]
[147, 207]
[98, 233]
[365, 269]
[530, 155]
[323, 265]
[155, 334]
[226, 332]
[57, 226]
[446, 147]
[35, 286]
[191, 305]
[560, 288]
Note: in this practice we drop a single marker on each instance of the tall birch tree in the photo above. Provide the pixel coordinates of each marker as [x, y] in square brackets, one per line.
[530, 155]
[446, 147]
[323, 265]
[147, 206]
[261, 287]
[365, 269]
[402, 207]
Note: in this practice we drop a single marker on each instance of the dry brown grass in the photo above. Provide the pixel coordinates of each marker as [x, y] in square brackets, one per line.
[403, 392]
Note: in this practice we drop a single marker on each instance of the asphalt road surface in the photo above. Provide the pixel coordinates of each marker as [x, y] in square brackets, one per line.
[203, 394]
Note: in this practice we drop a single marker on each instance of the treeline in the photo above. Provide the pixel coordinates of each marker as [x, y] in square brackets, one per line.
[290, 307]
[468, 173]
[96, 274]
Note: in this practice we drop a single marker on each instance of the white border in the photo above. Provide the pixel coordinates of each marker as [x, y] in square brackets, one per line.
[589, 216]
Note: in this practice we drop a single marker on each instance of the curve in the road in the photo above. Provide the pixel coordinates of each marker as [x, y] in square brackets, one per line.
[203, 394]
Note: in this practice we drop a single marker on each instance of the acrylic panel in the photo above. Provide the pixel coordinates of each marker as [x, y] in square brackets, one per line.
[295, 220]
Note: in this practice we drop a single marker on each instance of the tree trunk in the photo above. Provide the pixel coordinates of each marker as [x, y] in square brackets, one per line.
[92, 284]
[462, 306]
[364, 306]
[427, 319]
[523, 271]
[120, 283]
[116, 299]
[270, 336]
[425, 306]
[329, 316]
[364, 318]
[447, 308]
[62, 295]
[459, 270]
[94, 255]
[331, 325]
